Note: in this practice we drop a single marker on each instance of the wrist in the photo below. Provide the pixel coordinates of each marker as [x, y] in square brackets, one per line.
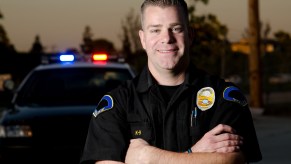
[189, 151]
[146, 154]
[152, 155]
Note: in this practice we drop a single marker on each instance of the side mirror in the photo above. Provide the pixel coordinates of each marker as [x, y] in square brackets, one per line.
[7, 94]
[8, 85]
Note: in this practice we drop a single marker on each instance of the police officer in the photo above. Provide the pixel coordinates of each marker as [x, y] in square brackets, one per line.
[171, 110]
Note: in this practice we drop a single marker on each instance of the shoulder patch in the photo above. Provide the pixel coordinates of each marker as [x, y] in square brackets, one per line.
[105, 104]
[235, 95]
[205, 98]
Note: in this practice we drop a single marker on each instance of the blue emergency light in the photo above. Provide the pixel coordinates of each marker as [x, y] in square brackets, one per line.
[67, 58]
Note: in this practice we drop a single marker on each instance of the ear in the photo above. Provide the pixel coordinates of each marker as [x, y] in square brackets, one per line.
[142, 38]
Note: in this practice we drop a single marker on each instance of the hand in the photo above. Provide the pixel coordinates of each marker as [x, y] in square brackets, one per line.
[136, 152]
[220, 139]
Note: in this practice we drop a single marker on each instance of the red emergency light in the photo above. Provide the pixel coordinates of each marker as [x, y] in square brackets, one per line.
[100, 57]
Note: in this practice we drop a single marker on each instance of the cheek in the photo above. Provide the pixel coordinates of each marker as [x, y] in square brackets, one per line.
[182, 42]
[152, 41]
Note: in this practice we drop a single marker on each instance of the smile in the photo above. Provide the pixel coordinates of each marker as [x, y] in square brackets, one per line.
[168, 51]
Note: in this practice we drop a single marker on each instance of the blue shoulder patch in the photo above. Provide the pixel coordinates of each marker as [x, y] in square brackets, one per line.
[235, 95]
[105, 104]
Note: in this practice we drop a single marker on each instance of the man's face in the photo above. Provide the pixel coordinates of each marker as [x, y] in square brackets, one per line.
[165, 37]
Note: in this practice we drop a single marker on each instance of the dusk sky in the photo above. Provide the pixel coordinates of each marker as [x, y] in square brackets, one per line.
[61, 23]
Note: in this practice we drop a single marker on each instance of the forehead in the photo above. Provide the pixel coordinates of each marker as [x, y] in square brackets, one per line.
[156, 14]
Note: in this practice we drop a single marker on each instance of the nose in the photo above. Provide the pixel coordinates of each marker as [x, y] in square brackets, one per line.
[167, 37]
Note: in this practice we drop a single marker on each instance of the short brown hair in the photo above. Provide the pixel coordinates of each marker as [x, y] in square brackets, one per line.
[165, 3]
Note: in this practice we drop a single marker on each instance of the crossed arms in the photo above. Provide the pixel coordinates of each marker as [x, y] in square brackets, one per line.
[219, 145]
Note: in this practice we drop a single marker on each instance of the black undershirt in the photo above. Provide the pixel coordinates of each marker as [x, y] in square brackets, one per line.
[168, 91]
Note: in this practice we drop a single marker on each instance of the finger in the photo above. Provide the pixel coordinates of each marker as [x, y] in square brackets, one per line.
[229, 149]
[227, 136]
[228, 143]
[137, 140]
[132, 140]
[221, 128]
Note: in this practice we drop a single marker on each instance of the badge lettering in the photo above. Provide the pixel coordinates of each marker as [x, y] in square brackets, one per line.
[137, 132]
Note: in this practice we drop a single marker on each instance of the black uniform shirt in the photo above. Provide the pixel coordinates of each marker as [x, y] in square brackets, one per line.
[137, 110]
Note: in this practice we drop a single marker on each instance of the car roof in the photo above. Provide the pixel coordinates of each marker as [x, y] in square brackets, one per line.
[102, 65]
[82, 65]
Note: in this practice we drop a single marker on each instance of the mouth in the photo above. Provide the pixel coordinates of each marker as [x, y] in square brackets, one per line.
[167, 51]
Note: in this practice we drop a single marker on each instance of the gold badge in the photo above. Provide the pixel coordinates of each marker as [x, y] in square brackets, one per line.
[205, 98]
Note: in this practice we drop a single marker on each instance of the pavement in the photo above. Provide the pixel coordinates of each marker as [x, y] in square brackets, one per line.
[274, 135]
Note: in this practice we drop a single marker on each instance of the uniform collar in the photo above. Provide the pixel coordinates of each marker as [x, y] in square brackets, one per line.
[145, 80]
[192, 75]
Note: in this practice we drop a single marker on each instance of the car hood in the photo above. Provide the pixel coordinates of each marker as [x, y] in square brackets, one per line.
[28, 114]
[53, 126]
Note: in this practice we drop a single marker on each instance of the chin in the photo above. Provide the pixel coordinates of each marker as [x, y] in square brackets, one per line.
[169, 67]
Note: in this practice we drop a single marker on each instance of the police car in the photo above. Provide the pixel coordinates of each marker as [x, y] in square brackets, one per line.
[51, 109]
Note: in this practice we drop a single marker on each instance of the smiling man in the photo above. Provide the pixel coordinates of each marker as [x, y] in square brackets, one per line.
[171, 112]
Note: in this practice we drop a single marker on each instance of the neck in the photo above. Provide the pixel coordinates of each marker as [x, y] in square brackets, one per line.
[169, 77]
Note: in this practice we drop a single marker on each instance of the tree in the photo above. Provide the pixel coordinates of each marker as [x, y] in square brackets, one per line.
[90, 45]
[131, 46]
[126, 45]
[282, 52]
[1, 15]
[3, 36]
[4, 40]
[282, 36]
[86, 47]
[131, 26]
[103, 45]
[7, 50]
[210, 43]
[37, 46]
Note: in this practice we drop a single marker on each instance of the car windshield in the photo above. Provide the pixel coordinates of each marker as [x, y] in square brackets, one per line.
[65, 87]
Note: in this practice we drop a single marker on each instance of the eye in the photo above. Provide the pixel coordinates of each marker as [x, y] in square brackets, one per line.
[154, 31]
[177, 29]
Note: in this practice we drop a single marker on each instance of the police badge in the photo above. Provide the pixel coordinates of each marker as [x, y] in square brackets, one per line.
[205, 98]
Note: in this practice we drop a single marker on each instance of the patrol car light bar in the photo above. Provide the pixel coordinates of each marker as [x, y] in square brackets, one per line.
[67, 58]
[100, 57]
